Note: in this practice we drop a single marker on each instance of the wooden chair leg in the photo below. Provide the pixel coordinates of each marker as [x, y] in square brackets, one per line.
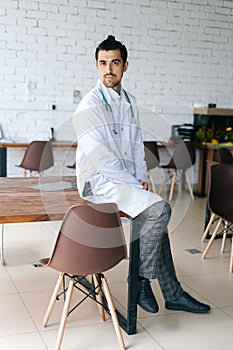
[179, 175]
[172, 186]
[189, 185]
[231, 264]
[208, 226]
[99, 298]
[163, 182]
[151, 179]
[53, 299]
[113, 313]
[231, 258]
[64, 314]
[224, 236]
[212, 238]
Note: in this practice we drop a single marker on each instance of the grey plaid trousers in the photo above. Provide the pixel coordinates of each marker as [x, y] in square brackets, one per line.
[155, 258]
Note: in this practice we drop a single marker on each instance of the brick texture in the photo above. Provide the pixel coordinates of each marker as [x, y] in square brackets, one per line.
[180, 55]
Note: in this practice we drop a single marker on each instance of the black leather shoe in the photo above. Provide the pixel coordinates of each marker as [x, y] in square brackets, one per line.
[146, 297]
[187, 303]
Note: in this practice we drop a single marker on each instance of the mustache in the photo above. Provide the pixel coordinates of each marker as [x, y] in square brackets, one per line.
[110, 74]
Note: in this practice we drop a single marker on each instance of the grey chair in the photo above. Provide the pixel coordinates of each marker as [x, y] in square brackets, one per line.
[90, 242]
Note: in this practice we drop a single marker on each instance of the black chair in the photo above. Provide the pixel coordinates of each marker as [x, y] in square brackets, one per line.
[38, 157]
[225, 156]
[152, 160]
[183, 158]
[220, 201]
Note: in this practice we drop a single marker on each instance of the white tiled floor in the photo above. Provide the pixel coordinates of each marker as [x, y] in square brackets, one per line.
[25, 291]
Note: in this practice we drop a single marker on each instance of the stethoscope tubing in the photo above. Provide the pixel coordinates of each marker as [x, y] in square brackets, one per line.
[108, 107]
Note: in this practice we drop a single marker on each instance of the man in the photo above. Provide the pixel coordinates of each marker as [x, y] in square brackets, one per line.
[111, 168]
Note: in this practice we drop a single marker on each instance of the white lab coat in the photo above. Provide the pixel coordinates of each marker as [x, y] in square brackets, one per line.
[110, 152]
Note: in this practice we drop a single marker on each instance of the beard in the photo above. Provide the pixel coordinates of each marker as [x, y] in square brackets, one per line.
[111, 83]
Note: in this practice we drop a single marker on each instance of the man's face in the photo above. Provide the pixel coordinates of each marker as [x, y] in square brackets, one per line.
[111, 68]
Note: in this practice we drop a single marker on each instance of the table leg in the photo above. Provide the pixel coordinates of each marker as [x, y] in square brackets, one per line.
[2, 245]
[3, 162]
[202, 168]
[129, 323]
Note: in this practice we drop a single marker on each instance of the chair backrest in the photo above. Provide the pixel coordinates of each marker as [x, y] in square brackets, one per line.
[225, 156]
[91, 240]
[184, 155]
[151, 154]
[38, 156]
[220, 193]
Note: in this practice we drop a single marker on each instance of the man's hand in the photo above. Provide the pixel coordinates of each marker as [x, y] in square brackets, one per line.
[144, 184]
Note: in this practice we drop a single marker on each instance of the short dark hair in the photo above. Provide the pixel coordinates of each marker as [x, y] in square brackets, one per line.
[112, 44]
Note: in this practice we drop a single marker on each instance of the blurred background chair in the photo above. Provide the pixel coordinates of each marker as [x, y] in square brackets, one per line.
[208, 213]
[72, 166]
[183, 158]
[152, 160]
[90, 241]
[210, 216]
[38, 157]
[220, 202]
[225, 155]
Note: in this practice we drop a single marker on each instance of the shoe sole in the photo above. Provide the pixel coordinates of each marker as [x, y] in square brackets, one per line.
[152, 312]
[195, 311]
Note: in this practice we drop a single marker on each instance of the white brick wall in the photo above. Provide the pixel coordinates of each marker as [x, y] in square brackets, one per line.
[180, 54]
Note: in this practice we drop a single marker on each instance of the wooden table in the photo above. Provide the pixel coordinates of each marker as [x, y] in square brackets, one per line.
[28, 200]
[42, 199]
[5, 145]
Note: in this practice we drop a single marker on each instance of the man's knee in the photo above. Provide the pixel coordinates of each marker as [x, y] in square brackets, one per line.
[167, 208]
[160, 209]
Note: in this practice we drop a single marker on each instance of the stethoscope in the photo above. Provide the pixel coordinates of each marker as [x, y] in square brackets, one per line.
[108, 107]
